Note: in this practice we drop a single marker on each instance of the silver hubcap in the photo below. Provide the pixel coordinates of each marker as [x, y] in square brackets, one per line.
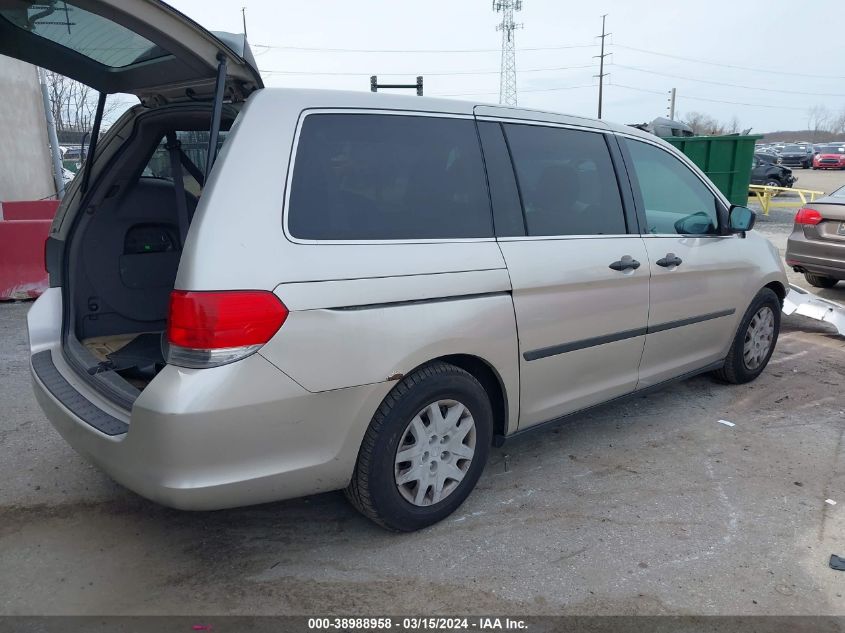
[758, 338]
[435, 452]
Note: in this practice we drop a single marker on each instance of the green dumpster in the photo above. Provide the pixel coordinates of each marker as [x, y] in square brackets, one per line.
[725, 159]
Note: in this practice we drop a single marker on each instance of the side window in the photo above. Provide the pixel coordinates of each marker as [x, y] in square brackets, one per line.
[380, 177]
[675, 199]
[566, 180]
[194, 145]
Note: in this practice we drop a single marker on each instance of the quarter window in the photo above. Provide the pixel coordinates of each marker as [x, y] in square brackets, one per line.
[675, 199]
[566, 180]
[380, 177]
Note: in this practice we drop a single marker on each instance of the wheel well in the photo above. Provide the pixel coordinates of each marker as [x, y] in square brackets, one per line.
[778, 289]
[492, 383]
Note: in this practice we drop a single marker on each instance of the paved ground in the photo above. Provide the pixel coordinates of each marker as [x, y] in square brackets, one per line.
[649, 507]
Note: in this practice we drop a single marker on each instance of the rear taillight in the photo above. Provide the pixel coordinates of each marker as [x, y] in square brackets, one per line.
[207, 329]
[807, 216]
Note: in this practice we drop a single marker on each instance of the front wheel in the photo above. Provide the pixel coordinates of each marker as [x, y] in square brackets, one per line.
[755, 340]
[424, 450]
[773, 183]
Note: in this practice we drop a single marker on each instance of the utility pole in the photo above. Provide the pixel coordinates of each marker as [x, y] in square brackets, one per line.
[672, 104]
[243, 15]
[601, 57]
[507, 72]
[53, 137]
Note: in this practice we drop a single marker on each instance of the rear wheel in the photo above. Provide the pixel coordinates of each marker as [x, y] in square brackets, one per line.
[820, 281]
[424, 450]
[755, 340]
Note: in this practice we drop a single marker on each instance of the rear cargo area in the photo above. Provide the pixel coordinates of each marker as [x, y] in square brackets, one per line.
[124, 249]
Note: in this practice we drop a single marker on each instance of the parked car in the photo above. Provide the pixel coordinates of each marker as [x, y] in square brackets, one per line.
[75, 153]
[765, 171]
[358, 300]
[766, 157]
[830, 157]
[797, 155]
[816, 246]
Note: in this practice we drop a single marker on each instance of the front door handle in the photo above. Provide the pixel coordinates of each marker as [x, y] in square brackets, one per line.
[670, 260]
[626, 263]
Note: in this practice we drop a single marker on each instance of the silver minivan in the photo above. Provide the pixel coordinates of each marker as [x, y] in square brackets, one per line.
[358, 291]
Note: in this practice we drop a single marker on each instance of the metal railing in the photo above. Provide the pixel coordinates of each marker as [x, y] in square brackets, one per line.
[765, 194]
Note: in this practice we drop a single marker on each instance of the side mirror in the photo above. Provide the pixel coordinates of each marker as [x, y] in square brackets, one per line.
[741, 219]
[696, 224]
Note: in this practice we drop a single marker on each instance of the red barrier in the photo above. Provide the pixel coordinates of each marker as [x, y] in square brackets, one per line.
[23, 231]
[22, 274]
[30, 210]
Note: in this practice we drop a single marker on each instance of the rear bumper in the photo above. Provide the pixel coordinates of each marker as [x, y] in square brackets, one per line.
[251, 436]
[815, 256]
[204, 439]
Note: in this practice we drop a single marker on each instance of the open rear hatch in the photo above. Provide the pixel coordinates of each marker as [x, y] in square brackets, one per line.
[145, 48]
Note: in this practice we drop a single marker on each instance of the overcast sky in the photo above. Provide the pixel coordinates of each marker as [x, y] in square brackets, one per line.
[791, 41]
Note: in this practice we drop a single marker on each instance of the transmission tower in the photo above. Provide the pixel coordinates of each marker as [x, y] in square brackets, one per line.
[507, 75]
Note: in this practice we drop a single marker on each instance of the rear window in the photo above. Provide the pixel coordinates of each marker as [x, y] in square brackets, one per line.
[86, 33]
[388, 177]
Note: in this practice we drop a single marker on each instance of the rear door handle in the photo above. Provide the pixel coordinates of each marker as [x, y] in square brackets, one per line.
[670, 260]
[626, 263]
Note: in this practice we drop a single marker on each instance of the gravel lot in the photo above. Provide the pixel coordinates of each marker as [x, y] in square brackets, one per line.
[647, 507]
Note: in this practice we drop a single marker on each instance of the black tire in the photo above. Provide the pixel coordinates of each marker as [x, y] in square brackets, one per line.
[735, 369]
[373, 489]
[820, 281]
[773, 183]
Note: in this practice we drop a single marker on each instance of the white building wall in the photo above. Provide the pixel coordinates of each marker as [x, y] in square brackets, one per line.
[26, 171]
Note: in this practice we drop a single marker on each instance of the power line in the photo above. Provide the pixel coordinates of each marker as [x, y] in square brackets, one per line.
[721, 83]
[439, 73]
[722, 65]
[755, 105]
[507, 76]
[421, 50]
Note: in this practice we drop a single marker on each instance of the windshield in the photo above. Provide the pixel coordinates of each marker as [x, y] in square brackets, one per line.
[836, 149]
[793, 148]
